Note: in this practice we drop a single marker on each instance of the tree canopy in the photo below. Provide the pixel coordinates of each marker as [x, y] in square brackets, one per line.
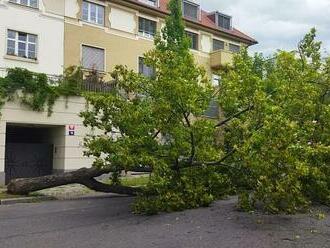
[282, 142]
[276, 127]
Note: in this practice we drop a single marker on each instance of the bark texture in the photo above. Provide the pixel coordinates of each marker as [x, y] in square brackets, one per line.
[82, 176]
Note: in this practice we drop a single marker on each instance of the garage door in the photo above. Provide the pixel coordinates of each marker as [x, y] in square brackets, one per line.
[24, 160]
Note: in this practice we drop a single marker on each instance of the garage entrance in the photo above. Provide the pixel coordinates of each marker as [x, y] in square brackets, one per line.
[29, 151]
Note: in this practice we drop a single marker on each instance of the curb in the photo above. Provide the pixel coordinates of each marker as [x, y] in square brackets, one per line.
[30, 199]
[34, 199]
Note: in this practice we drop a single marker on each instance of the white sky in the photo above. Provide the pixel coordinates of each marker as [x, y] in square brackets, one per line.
[276, 24]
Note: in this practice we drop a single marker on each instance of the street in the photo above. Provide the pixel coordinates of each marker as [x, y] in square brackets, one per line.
[108, 222]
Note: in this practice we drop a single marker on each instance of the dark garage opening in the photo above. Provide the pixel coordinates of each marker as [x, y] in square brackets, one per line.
[29, 152]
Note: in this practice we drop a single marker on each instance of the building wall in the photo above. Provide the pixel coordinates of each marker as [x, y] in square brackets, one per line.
[119, 36]
[61, 34]
[2, 151]
[47, 23]
[68, 150]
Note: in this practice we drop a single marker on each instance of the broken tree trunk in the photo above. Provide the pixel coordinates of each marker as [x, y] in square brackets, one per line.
[82, 176]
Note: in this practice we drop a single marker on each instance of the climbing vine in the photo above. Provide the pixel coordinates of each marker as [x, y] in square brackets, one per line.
[36, 90]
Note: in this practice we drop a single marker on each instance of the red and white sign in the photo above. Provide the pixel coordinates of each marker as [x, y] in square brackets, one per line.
[72, 127]
[72, 130]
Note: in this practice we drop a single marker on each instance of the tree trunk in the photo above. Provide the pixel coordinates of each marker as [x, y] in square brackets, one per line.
[82, 176]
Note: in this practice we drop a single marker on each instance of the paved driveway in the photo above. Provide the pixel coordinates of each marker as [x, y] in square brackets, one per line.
[108, 223]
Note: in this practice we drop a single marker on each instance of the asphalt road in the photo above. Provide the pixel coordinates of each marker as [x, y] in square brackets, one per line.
[108, 223]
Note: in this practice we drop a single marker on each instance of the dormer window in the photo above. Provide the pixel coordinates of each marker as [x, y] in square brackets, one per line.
[224, 21]
[150, 2]
[190, 10]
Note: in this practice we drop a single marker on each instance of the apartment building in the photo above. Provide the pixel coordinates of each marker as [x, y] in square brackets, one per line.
[102, 34]
[47, 36]
[33, 143]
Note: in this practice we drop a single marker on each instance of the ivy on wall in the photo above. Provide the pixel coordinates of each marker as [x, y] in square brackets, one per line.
[36, 90]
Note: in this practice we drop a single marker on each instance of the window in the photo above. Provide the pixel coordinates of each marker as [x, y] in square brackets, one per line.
[21, 44]
[190, 10]
[224, 21]
[213, 110]
[29, 3]
[93, 13]
[234, 48]
[150, 2]
[147, 27]
[216, 80]
[146, 70]
[93, 58]
[194, 40]
[218, 45]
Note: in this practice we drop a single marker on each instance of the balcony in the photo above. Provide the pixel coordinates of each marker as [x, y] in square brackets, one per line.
[90, 82]
[221, 58]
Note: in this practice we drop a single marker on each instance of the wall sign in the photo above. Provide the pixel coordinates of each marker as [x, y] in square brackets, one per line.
[72, 130]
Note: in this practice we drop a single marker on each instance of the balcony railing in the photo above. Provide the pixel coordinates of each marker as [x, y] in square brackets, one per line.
[221, 58]
[97, 87]
[89, 84]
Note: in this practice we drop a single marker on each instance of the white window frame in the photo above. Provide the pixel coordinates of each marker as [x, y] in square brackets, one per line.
[19, 2]
[218, 14]
[193, 4]
[144, 33]
[27, 42]
[89, 19]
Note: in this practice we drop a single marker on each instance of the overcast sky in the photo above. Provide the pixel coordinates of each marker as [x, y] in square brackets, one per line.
[276, 24]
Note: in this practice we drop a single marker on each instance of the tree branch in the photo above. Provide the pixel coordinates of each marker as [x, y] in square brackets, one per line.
[188, 164]
[234, 116]
[83, 176]
[106, 188]
[192, 139]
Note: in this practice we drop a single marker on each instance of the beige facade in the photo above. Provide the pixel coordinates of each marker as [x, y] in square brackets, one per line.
[121, 41]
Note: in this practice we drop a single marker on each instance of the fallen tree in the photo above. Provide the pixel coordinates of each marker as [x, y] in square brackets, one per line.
[82, 176]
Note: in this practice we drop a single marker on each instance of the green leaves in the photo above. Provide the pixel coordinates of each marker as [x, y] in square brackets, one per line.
[33, 89]
[283, 140]
[158, 123]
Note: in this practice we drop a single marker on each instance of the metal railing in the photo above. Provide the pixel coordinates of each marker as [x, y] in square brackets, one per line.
[89, 84]
[98, 86]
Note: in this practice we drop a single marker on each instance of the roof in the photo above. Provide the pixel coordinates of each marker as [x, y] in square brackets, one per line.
[204, 21]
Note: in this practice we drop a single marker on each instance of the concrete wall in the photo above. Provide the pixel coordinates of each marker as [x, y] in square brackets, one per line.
[47, 23]
[68, 152]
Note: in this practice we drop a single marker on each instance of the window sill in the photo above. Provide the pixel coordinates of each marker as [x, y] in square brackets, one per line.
[221, 50]
[194, 50]
[95, 25]
[146, 37]
[103, 73]
[12, 57]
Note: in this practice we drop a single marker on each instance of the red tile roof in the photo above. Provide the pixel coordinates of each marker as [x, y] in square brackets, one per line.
[204, 21]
